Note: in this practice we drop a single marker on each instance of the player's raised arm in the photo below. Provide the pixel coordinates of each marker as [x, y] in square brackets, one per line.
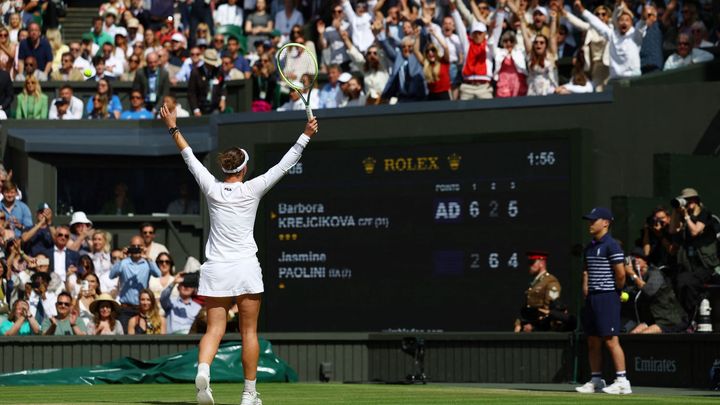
[170, 119]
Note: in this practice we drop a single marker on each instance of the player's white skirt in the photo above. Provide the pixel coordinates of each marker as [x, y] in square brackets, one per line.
[230, 279]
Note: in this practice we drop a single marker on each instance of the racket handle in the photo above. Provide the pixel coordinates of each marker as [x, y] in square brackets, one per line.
[308, 111]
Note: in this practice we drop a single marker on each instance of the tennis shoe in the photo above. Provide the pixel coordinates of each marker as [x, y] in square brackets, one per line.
[250, 398]
[618, 388]
[204, 393]
[590, 387]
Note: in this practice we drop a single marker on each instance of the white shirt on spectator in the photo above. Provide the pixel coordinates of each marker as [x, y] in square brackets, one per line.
[74, 112]
[578, 89]
[114, 66]
[285, 24]
[362, 36]
[454, 47]
[48, 304]
[228, 15]
[81, 64]
[155, 250]
[624, 48]
[59, 262]
[675, 61]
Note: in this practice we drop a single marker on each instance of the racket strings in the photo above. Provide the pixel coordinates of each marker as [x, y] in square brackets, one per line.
[296, 62]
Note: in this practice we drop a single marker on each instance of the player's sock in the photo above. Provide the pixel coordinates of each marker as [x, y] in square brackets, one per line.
[204, 368]
[249, 385]
[620, 376]
[596, 378]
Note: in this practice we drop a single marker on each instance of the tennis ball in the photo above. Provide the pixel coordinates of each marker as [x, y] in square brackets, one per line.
[624, 297]
[87, 72]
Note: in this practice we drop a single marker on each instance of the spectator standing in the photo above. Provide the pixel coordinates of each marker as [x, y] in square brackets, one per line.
[137, 109]
[134, 273]
[542, 72]
[62, 259]
[510, 65]
[80, 233]
[17, 212]
[148, 320]
[478, 62]
[147, 231]
[20, 322]
[75, 106]
[603, 275]
[206, 89]
[334, 51]
[152, 82]
[375, 73]
[39, 238]
[66, 72]
[229, 14]
[66, 320]
[182, 310]
[30, 69]
[32, 104]
[102, 261]
[436, 68]
[697, 251]
[623, 38]
[651, 52]
[686, 55]
[105, 317]
[595, 47]
[259, 24]
[37, 46]
[360, 21]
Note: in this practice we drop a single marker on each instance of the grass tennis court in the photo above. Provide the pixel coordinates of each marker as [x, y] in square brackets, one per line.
[345, 394]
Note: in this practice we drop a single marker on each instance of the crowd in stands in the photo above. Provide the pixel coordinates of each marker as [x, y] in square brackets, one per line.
[372, 52]
[65, 279]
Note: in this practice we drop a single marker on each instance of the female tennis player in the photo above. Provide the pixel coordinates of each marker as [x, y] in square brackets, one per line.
[231, 273]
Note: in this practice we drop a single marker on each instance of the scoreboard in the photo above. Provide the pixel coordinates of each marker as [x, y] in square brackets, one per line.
[412, 236]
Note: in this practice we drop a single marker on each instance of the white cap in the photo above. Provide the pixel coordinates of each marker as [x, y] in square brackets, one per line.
[478, 26]
[79, 217]
[121, 31]
[540, 9]
[345, 77]
[177, 37]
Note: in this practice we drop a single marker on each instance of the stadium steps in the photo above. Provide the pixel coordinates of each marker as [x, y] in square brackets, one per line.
[77, 21]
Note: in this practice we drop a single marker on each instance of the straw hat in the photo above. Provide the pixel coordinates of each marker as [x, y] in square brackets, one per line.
[104, 298]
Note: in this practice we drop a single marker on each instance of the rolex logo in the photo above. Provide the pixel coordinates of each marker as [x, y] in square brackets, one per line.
[454, 161]
[369, 165]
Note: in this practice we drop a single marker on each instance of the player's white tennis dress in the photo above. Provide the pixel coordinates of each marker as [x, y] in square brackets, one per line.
[231, 267]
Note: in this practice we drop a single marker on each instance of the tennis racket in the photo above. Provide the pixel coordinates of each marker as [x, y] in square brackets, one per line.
[299, 69]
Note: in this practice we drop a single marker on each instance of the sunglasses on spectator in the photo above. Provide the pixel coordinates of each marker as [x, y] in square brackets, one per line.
[3, 35]
[372, 53]
[601, 14]
[135, 98]
[67, 60]
[62, 235]
[683, 43]
[195, 54]
[63, 304]
[164, 261]
[148, 232]
[2, 217]
[75, 49]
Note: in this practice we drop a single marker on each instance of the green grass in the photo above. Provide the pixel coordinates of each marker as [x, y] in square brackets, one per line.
[306, 394]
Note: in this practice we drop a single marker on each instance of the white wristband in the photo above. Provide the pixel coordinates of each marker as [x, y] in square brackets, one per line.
[303, 140]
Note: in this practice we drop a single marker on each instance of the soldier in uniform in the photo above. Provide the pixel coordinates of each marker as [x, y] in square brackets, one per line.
[543, 292]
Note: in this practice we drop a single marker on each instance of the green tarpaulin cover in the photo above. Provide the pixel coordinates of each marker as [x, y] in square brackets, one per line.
[175, 368]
